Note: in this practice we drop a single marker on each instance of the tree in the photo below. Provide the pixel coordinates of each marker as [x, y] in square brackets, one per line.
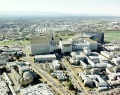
[71, 86]
[15, 54]
[50, 71]
[17, 57]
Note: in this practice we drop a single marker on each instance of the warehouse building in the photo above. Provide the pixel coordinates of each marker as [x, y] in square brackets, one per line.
[41, 58]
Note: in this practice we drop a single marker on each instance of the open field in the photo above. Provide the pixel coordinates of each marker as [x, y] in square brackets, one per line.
[112, 35]
[67, 36]
[23, 42]
[109, 36]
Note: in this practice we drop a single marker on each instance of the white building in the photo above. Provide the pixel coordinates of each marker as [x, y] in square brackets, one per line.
[76, 57]
[85, 66]
[87, 51]
[43, 44]
[66, 46]
[56, 65]
[116, 61]
[114, 75]
[107, 54]
[99, 82]
[48, 57]
[79, 44]
[39, 89]
[112, 46]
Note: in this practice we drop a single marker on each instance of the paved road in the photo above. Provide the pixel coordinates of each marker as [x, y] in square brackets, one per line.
[57, 86]
[65, 61]
[73, 79]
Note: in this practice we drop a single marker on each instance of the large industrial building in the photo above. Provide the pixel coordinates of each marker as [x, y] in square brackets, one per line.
[22, 73]
[97, 36]
[44, 44]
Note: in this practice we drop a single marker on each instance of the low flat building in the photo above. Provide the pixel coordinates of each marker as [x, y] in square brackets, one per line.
[114, 75]
[112, 47]
[49, 57]
[39, 89]
[107, 54]
[98, 81]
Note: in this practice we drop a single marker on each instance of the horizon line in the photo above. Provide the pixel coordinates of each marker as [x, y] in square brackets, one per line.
[45, 13]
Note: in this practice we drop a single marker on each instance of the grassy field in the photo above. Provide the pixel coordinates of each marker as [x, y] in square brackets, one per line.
[112, 35]
[23, 42]
[109, 36]
[67, 36]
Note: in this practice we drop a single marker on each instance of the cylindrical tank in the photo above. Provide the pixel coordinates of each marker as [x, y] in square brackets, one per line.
[25, 79]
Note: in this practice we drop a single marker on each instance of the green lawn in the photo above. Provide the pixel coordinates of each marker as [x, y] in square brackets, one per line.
[67, 37]
[112, 35]
[24, 42]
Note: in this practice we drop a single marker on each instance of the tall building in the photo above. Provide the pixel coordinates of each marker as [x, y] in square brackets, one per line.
[43, 44]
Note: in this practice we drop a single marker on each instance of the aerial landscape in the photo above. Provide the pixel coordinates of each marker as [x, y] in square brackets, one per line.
[59, 47]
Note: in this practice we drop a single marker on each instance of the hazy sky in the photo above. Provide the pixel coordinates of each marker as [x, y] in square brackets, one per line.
[100, 7]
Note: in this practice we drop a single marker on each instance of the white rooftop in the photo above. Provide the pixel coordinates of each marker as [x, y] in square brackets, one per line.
[45, 56]
[39, 89]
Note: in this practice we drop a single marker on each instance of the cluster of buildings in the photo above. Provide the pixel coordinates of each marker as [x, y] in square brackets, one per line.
[47, 44]
[18, 78]
[7, 54]
[101, 70]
